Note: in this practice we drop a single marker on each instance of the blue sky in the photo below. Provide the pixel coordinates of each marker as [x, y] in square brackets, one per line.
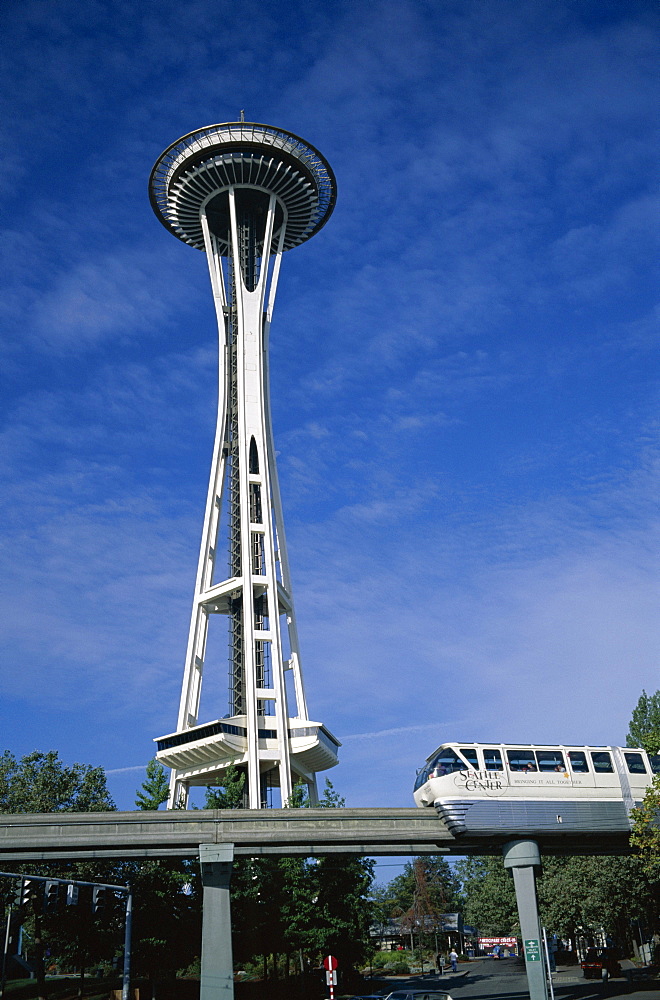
[464, 371]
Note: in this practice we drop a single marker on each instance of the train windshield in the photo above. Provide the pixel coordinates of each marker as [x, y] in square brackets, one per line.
[446, 761]
[654, 761]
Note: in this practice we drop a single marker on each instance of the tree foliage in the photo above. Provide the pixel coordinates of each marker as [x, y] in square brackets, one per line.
[155, 790]
[167, 915]
[303, 906]
[76, 937]
[490, 898]
[42, 783]
[231, 794]
[340, 892]
[644, 728]
[645, 837]
[427, 886]
[299, 798]
[330, 798]
[644, 731]
[586, 894]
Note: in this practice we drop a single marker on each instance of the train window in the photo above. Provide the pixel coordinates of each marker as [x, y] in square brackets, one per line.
[635, 763]
[578, 761]
[470, 755]
[550, 760]
[654, 761]
[493, 760]
[445, 761]
[422, 777]
[602, 762]
[521, 760]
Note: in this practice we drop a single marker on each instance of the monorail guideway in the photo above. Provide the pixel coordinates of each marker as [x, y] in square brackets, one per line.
[516, 794]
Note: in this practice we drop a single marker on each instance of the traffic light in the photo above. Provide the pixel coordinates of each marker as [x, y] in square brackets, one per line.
[51, 897]
[30, 893]
[18, 892]
[72, 895]
[98, 898]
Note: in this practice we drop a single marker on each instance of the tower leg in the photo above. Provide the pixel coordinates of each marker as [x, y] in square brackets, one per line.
[217, 968]
[524, 860]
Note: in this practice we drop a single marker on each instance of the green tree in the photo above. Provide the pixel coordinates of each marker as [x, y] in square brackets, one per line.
[339, 887]
[299, 798]
[645, 837]
[231, 795]
[76, 937]
[302, 907]
[587, 894]
[644, 728]
[155, 790]
[383, 908]
[431, 877]
[42, 783]
[166, 917]
[330, 798]
[490, 898]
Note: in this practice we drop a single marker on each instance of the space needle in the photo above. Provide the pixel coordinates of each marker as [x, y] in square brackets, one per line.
[243, 193]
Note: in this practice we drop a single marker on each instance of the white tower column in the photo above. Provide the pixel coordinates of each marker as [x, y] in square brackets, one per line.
[244, 194]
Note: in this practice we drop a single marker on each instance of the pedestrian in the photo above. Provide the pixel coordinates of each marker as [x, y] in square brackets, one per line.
[453, 958]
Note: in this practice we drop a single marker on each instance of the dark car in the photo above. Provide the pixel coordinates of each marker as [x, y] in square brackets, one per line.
[600, 963]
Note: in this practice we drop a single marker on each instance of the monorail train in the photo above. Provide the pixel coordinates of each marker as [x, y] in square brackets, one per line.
[492, 788]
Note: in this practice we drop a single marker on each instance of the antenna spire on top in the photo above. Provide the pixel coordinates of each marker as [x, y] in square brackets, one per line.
[242, 115]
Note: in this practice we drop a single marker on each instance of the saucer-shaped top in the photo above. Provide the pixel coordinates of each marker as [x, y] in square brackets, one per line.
[242, 155]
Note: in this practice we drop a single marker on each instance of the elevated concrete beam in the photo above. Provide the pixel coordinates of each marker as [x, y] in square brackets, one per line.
[304, 832]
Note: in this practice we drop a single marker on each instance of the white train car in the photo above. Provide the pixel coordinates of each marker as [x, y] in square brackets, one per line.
[495, 788]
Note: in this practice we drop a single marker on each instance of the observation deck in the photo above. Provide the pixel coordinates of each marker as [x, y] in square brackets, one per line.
[192, 174]
[204, 752]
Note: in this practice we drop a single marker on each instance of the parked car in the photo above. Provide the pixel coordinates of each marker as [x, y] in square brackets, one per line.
[600, 963]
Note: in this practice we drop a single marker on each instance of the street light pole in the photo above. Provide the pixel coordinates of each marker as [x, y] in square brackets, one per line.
[126, 979]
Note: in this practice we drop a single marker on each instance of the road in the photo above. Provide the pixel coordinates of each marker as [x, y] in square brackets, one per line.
[506, 980]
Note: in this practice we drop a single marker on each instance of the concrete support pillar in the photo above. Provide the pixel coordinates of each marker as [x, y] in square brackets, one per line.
[217, 972]
[524, 860]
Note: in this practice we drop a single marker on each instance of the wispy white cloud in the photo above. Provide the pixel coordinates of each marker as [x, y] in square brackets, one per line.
[387, 733]
[125, 770]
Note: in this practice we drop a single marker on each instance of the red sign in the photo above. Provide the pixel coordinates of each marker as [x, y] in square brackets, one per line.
[330, 963]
